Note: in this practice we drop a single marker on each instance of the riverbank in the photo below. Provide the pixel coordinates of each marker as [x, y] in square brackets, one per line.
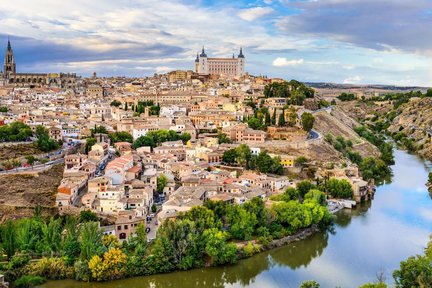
[291, 238]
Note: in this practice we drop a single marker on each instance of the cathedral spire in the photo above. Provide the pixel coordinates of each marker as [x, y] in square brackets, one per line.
[197, 58]
[9, 47]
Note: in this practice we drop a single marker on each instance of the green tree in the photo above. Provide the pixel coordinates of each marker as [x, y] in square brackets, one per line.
[115, 103]
[317, 196]
[241, 222]
[98, 129]
[273, 118]
[281, 121]
[44, 142]
[30, 159]
[229, 156]
[243, 155]
[70, 241]
[89, 143]
[121, 136]
[374, 285]
[339, 188]
[223, 138]
[254, 123]
[307, 120]
[162, 182]
[88, 216]
[346, 96]
[90, 240]
[51, 236]
[144, 141]
[8, 234]
[217, 248]
[303, 187]
[414, 272]
[373, 168]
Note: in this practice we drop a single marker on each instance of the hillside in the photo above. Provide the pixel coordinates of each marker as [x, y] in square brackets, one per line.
[414, 119]
[20, 193]
[338, 123]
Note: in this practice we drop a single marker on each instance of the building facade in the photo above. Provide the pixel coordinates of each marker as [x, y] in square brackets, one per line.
[11, 77]
[220, 66]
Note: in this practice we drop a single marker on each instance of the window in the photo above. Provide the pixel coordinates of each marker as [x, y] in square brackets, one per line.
[119, 227]
[125, 227]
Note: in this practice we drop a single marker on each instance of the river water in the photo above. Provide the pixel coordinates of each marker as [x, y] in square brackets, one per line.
[373, 237]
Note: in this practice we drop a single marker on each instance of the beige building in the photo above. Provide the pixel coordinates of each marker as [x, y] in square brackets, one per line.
[220, 66]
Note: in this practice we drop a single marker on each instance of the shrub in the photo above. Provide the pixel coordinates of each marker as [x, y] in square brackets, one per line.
[82, 271]
[19, 260]
[29, 281]
[250, 249]
[50, 268]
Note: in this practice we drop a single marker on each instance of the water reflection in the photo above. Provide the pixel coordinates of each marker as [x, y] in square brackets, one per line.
[301, 254]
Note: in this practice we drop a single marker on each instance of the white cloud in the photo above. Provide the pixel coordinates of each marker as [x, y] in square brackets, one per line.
[353, 80]
[281, 61]
[268, 2]
[163, 69]
[254, 13]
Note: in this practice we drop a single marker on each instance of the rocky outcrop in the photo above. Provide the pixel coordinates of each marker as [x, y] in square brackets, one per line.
[414, 119]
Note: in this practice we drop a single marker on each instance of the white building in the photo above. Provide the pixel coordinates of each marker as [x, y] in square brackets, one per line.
[220, 66]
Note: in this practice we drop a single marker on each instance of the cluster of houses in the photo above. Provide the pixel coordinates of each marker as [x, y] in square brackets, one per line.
[121, 183]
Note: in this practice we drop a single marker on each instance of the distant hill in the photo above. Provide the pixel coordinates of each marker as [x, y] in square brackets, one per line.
[324, 85]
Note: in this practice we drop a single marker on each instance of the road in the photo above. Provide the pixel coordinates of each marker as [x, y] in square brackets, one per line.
[38, 167]
[153, 228]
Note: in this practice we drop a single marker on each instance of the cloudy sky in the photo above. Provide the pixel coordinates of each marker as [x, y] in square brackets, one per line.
[343, 41]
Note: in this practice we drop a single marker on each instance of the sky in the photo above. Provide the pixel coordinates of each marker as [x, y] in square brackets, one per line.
[339, 41]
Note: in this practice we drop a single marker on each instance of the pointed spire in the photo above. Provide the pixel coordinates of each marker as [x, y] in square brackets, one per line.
[241, 53]
[233, 55]
[197, 58]
[203, 54]
[9, 47]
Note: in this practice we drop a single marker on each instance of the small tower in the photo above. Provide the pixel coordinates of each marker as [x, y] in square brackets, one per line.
[9, 61]
[197, 63]
[202, 63]
[241, 63]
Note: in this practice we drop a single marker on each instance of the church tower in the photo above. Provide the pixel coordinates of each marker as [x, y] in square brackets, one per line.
[9, 62]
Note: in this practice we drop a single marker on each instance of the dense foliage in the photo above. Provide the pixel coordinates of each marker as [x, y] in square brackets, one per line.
[346, 96]
[370, 167]
[296, 91]
[141, 106]
[121, 136]
[115, 103]
[75, 247]
[44, 142]
[242, 156]
[156, 138]
[307, 120]
[15, 131]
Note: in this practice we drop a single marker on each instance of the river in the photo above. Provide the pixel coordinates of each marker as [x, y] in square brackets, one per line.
[374, 237]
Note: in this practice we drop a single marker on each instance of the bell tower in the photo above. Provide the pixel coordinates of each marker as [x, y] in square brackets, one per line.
[9, 62]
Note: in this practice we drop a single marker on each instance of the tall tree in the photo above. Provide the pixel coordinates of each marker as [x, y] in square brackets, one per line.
[9, 239]
[281, 121]
[307, 120]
